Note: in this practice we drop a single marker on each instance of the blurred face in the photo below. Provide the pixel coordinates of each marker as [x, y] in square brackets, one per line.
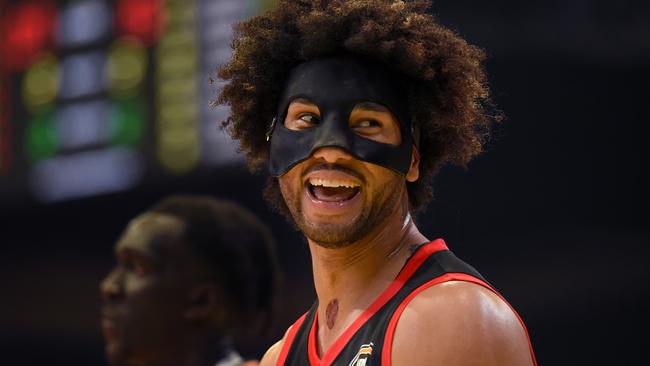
[335, 198]
[146, 293]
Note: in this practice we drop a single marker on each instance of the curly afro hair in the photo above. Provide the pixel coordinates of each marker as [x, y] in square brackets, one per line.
[446, 85]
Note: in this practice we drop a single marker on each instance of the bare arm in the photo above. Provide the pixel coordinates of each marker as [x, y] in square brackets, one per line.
[271, 356]
[459, 324]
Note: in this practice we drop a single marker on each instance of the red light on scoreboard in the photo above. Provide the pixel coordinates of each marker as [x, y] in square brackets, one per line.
[142, 19]
[26, 31]
[5, 128]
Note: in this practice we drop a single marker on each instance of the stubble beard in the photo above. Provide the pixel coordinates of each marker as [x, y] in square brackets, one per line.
[374, 213]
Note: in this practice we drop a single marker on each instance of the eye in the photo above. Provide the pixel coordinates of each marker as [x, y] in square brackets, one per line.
[301, 114]
[367, 123]
[309, 118]
[375, 122]
[139, 268]
[302, 121]
[135, 266]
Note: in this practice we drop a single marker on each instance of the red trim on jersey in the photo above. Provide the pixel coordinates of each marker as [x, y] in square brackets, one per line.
[288, 341]
[312, 351]
[390, 333]
[409, 268]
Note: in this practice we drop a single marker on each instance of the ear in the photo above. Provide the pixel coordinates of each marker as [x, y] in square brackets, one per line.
[414, 170]
[206, 303]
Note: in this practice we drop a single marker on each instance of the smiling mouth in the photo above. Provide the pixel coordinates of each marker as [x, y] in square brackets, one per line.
[332, 190]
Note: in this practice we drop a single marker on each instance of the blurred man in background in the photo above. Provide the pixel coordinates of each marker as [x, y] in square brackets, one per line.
[190, 271]
[355, 105]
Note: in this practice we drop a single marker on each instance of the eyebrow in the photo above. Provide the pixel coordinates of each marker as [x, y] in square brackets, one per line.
[127, 249]
[371, 106]
[303, 101]
[366, 106]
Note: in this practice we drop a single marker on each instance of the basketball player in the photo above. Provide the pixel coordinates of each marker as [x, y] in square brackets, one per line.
[189, 271]
[355, 105]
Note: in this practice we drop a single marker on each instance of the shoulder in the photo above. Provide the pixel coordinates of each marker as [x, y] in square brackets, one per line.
[271, 356]
[459, 323]
[273, 353]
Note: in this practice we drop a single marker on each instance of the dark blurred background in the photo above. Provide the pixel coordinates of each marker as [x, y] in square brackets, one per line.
[104, 110]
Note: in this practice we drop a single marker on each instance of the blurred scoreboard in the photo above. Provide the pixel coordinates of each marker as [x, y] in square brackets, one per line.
[100, 96]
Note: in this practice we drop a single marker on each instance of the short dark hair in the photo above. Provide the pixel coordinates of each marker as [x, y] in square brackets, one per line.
[447, 91]
[236, 246]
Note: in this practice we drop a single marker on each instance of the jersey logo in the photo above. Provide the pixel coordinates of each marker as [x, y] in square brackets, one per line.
[362, 357]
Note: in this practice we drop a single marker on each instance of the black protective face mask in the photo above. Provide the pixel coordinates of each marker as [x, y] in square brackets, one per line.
[336, 86]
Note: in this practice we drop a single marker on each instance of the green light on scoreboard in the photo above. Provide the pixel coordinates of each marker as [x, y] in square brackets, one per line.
[42, 141]
[127, 122]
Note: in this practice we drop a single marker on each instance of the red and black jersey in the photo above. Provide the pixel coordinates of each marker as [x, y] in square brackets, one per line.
[368, 340]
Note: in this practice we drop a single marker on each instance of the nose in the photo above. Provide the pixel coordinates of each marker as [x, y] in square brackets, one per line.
[110, 288]
[332, 155]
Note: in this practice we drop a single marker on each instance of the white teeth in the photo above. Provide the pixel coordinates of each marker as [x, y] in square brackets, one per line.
[332, 183]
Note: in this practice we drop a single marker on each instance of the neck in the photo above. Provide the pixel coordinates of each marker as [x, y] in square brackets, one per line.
[349, 278]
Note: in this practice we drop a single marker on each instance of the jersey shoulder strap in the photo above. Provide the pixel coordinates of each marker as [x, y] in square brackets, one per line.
[294, 339]
[454, 269]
